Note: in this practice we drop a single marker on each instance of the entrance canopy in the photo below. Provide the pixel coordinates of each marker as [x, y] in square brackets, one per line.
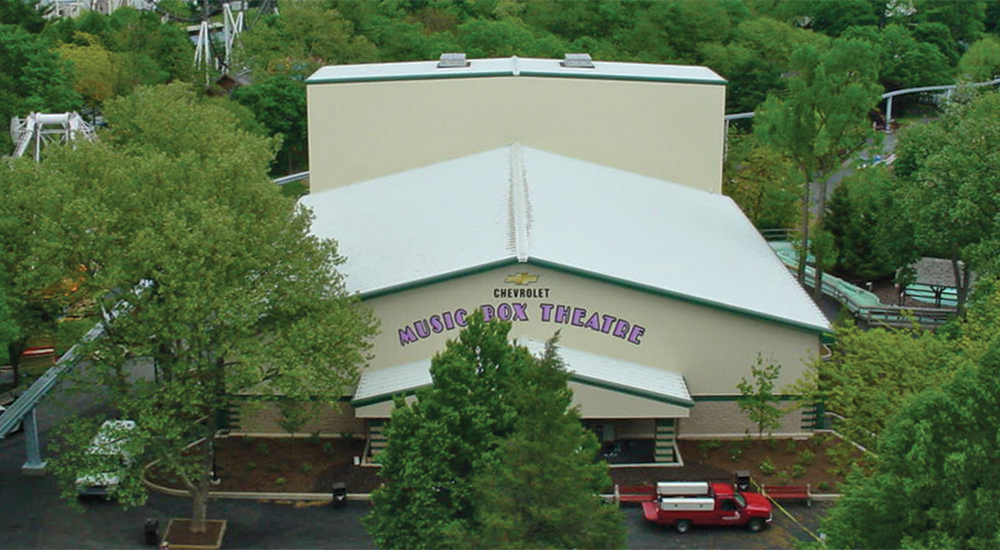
[601, 385]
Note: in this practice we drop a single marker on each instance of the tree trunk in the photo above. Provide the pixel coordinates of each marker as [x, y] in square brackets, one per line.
[199, 503]
[14, 351]
[818, 268]
[199, 506]
[804, 248]
[961, 282]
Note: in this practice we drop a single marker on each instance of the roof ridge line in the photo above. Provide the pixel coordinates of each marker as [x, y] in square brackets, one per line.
[520, 205]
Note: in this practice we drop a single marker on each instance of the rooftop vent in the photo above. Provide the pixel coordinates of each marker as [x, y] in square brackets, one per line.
[452, 61]
[578, 61]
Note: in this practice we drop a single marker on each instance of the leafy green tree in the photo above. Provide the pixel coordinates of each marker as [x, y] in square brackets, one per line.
[762, 181]
[23, 13]
[946, 188]
[981, 62]
[192, 258]
[34, 78]
[903, 61]
[279, 103]
[757, 398]
[304, 37]
[872, 373]
[471, 425]
[437, 444]
[821, 120]
[856, 216]
[543, 491]
[936, 483]
[93, 69]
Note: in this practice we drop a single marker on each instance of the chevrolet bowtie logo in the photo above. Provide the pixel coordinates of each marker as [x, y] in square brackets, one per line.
[521, 278]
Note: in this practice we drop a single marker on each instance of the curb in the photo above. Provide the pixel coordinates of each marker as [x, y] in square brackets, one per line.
[237, 495]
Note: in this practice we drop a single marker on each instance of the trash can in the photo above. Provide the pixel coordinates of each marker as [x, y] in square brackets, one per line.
[151, 532]
[339, 494]
[743, 480]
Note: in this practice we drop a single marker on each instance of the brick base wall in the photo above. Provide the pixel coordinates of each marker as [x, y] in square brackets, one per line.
[724, 419]
[327, 421]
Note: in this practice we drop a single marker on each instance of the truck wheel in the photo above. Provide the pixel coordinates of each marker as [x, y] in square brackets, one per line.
[683, 526]
[756, 524]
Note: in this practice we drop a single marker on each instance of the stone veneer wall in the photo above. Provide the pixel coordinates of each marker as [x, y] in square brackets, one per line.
[711, 419]
[264, 419]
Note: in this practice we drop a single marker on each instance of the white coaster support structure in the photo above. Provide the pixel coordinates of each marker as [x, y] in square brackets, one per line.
[232, 28]
[39, 128]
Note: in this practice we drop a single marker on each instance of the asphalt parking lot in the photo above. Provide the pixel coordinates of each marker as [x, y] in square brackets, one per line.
[32, 515]
[782, 533]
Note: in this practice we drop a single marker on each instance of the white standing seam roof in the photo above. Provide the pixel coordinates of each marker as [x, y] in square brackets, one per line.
[381, 385]
[585, 368]
[519, 204]
[617, 375]
[514, 66]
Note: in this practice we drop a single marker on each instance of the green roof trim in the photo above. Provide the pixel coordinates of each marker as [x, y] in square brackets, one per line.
[475, 270]
[376, 399]
[635, 392]
[595, 277]
[676, 295]
[445, 75]
[734, 398]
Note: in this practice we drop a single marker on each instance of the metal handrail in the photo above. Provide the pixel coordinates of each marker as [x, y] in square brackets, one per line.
[26, 402]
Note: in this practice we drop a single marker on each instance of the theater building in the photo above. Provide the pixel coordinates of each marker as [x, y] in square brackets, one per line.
[559, 196]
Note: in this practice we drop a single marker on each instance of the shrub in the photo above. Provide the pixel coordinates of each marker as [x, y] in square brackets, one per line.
[280, 481]
[792, 446]
[806, 457]
[735, 451]
[706, 447]
[798, 471]
[824, 486]
[250, 465]
[772, 443]
[328, 447]
[767, 467]
[263, 448]
[784, 478]
[306, 467]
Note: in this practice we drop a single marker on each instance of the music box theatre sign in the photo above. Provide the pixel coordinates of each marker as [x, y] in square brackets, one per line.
[547, 311]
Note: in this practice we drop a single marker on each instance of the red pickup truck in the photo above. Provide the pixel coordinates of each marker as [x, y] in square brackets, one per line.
[686, 504]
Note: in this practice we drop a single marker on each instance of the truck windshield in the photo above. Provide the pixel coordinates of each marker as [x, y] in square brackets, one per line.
[739, 498]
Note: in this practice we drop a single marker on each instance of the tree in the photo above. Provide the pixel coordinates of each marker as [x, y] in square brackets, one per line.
[936, 483]
[822, 119]
[192, 258]
[475, 424]
[856, 217]
[981, 62]
[946, 186]
[437, 444]
[94, 73]
[903, 61]
[762, 181]
[757, 398]
[34, 78]
[25, 14]
[543, 490]
[872, 373]
[279, 103]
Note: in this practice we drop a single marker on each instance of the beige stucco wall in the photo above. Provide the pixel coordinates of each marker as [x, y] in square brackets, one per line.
[713, 349]
[671, 131]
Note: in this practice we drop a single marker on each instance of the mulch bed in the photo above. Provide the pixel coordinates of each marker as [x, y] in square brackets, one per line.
[285, 465]
[179, 534]
[309, 466]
